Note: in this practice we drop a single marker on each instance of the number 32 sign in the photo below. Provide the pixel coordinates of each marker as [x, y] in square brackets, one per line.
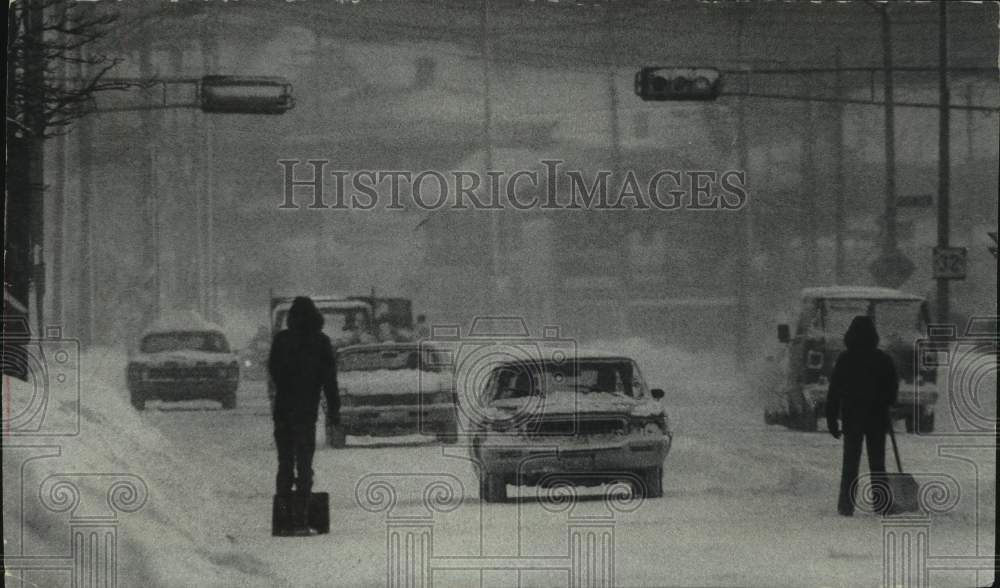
[949, 263]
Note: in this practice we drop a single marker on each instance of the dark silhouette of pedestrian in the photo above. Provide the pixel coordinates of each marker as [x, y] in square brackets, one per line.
[301, 363]
[863, 386]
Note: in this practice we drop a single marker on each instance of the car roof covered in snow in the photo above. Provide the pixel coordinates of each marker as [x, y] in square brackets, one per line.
[322, 302]
[561, 354]
[865, 292]
[181, 321]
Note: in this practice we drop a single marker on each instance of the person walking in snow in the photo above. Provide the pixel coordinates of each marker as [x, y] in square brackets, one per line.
[301, 363]
[863, 386]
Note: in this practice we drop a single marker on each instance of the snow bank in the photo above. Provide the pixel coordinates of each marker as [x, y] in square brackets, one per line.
[163, 543]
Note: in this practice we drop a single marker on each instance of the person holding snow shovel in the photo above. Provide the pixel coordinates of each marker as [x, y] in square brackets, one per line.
[301, 363]
[863, 386]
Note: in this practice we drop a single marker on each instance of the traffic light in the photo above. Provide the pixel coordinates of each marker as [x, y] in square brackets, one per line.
[678, 83]
[246, 95]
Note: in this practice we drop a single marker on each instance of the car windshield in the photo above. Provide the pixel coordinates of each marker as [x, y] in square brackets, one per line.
[898, 319]
[338, 323]
[404, 358]
[894, 319]
[581, 377]
[839, 312]
[184, 340]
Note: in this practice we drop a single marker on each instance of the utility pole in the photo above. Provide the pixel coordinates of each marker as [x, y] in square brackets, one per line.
[889, 219]
[810, 186]
[58, 230]
[488, 154]
[944, 156]
[624, 267]
[838, 177]
[150, 124]
[85, 281]
[34, 82]
[743, 281]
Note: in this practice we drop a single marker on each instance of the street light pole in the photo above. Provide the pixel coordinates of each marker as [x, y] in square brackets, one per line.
[889, 220]
[944, 156]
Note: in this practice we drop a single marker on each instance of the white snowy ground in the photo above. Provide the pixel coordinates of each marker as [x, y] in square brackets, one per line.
[745, 504]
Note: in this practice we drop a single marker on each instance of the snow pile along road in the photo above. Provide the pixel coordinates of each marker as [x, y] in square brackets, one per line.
[166, 498]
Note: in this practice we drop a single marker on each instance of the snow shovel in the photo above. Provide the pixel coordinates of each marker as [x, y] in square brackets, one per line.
[903, 488]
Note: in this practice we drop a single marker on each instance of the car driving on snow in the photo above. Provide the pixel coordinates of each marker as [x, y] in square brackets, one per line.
[589, 420]
[800, 379]
[393, 389]
[182, 358]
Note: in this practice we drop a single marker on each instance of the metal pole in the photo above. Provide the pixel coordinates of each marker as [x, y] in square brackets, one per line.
[944, 154]
[488, 154]
[838, 178]
[147, 177]
[889, 224]
[809, 187]
[743, 317]
[34, 81]
[616, 165]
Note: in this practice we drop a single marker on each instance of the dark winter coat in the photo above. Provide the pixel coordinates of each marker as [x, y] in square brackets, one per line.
[864, 383]
[301, 363]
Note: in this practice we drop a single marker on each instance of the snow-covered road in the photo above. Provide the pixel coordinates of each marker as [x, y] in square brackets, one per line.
[745, 504]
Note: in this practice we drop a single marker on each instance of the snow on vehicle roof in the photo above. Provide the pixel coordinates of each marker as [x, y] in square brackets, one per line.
[327, 302]
[867, 292]
[385, 345]
[563, 354]
[181, 320]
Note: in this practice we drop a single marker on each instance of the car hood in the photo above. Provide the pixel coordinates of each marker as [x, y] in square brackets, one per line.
[568, 403]
[392, 382]
[185, 356]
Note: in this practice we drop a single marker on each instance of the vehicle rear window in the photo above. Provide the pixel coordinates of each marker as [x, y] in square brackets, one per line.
[184, 340]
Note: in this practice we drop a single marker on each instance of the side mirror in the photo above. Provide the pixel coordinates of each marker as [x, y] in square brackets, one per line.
[784, 334]
[657, 393]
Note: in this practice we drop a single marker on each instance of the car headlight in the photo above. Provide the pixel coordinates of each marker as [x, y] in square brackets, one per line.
[136, 371]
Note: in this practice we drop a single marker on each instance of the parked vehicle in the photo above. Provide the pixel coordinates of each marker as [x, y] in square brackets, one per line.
[798, 399]
[393, 389]
[182, 358]
[587, 422]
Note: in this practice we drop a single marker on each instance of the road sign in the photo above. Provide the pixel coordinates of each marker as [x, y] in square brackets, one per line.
[915, 201]
[949, 263]
[892, 270]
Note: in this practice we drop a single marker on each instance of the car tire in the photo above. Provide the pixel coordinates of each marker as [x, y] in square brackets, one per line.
[137, 399]
[492, 488]
[449, 435]
[650, 484]
[228, 401]
[926, 423]
[336, 437]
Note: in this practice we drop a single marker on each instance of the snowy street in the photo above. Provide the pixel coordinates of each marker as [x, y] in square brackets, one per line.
[744, 504]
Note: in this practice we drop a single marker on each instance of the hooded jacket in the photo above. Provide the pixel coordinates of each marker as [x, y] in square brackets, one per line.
[864, 383]
[301, 363]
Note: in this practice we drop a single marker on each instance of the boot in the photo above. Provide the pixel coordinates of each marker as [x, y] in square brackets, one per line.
[300, 516]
